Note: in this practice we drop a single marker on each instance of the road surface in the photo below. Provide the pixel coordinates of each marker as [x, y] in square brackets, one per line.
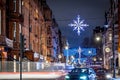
[32, 75]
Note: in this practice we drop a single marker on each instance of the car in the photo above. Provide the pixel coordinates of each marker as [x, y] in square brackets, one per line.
[102, 74]
[81, 74]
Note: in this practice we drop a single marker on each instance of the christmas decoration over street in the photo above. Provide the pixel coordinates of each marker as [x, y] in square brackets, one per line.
[78, 25]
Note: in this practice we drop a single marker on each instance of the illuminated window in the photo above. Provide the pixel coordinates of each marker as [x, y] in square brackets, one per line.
[19, 28]
[22, 3]
[110, 37]
[19, 6]
[36, 14]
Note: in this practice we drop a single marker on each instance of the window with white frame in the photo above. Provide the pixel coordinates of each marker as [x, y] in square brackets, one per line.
[14, 3]
[14, 25]
[0, 21]
[20, 28]
[20, 6]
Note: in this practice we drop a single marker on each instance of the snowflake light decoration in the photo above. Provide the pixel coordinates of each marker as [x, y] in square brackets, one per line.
[78, 25]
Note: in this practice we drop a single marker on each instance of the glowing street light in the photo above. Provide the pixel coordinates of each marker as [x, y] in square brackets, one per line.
[98, 38]
[59, 57]
[67, 47]
[79, 51]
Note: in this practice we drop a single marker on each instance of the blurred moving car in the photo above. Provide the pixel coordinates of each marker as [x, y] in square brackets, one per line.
[102, 74]
[69, 68]
[81, 74]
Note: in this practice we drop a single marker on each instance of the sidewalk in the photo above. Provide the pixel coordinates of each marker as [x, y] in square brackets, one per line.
[117, 77]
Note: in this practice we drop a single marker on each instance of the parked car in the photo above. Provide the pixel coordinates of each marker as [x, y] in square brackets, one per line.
[102, 74]
[81, 74]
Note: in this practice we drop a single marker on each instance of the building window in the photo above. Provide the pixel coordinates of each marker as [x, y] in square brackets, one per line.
[30, 46]
[20, 28]
[0, 21]
[110, 37]
[22, 3]
[30, 28]
[14, 26]
[36, 14]
[20, 6]
[48, 30]
[49, 41]
[14, 3]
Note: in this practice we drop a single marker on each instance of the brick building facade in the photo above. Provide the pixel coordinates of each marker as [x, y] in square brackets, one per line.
[112, 36]
[32, 18]
[3, 38]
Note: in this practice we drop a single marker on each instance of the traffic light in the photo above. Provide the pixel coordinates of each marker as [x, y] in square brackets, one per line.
[23, 43]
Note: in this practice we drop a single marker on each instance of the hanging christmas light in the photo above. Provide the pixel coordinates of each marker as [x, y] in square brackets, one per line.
[78, 25]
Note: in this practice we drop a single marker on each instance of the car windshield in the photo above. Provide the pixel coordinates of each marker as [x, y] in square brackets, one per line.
[102, 71]
[80, 70]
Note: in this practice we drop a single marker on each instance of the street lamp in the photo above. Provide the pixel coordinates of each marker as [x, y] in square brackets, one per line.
[66, 47]
[59, 56]
[79, 51]
[98, 38]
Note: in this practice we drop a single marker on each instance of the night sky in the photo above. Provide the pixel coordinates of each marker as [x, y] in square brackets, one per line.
[92, 11]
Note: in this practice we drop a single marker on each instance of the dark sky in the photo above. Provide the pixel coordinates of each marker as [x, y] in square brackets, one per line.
[92, 11]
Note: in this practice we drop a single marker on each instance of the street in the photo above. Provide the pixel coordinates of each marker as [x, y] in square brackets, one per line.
[32, 76]
[60, 78]
[59, 39]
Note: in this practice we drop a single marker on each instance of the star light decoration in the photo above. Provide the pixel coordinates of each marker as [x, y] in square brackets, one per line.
[78, 25]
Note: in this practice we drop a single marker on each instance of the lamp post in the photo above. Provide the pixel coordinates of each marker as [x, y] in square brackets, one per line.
[113, 49]
[21, 53]
[66, 47]
[79, 51]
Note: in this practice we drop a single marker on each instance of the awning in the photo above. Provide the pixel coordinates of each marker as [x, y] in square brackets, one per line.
[33, 56]
[9, 42]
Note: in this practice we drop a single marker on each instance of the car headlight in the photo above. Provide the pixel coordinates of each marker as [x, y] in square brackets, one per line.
[108, 76]
[67, 77]
[83, 77]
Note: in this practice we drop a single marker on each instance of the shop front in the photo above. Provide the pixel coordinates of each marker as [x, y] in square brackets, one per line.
[32, 56]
